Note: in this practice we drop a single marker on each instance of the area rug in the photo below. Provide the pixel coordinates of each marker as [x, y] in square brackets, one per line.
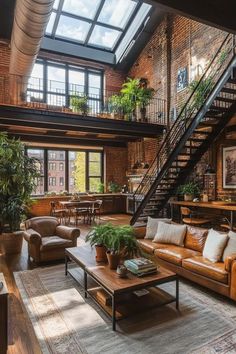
[66, 323]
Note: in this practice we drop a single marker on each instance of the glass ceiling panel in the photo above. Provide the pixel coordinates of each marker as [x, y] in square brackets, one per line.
[104, 37]
[73, 29]
[84, 8]
[117, 12]
[56, 4]
[51, 23]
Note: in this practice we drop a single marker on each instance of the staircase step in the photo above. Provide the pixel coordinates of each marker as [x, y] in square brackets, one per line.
[224, 99]
[229, 90]
[232, 81]
[217, 108]
[199, 131]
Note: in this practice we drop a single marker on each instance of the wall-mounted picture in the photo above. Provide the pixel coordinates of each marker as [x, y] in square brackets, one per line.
[229, 167]
[182, 79]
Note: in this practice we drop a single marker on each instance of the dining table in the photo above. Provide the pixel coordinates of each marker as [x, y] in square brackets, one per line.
[86, 205]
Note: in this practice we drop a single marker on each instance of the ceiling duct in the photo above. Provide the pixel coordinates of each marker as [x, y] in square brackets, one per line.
[30, 21]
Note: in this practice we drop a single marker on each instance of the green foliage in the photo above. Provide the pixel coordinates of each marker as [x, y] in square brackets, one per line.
[117, 239]
[114, 187]
[201, 90]
[79, 104]
[18, 175]
[101, 188]
[191, 188]
[79, 172]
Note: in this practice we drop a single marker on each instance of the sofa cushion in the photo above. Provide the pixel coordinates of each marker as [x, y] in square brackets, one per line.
[148, 246]
[215, 245]
[174, 254]
[170, 233]
[231, 245]
[152, 225]
[203, 266]
[54, 241]
[44, 225]
[195, 238]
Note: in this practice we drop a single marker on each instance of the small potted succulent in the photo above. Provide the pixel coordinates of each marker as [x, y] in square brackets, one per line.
[189, 191]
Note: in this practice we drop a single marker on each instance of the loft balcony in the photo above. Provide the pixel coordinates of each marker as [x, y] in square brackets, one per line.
[31, 103]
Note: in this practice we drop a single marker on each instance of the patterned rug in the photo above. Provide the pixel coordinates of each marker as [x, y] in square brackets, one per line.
[66, 323]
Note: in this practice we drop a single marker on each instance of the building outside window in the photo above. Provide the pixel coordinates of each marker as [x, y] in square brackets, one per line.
[56, 158]
[52, 166]
[61, 181]
[38, 154]
[61, 166]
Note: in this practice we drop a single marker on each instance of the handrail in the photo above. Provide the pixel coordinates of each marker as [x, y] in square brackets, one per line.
[188, 113]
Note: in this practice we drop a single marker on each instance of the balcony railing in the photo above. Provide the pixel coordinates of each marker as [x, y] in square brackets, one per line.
[58, 96]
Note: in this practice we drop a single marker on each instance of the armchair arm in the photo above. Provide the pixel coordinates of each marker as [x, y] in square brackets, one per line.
[229, 261]
[140, 231]
[32, 236]
[69, 233]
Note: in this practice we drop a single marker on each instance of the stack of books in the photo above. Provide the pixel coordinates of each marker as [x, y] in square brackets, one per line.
[140, 266]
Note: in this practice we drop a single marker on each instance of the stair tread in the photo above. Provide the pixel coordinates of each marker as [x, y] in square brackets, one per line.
[218, 108]
[228, 90]
[224, 99]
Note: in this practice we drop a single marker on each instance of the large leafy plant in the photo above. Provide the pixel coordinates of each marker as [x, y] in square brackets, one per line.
[190, 188]
[18, 174]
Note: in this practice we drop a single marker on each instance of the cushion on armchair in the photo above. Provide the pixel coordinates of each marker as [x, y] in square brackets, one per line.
[152, 225]
[214, 246]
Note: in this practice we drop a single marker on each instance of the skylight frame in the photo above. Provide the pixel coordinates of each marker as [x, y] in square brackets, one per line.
[92, 22]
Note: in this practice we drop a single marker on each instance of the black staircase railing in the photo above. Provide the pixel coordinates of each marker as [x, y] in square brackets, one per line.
[191, 114]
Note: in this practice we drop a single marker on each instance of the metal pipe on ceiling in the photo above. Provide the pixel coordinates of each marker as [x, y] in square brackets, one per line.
[30, 21]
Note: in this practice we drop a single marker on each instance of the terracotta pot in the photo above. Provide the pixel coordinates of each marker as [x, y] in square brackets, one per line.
[113, 260]
[188, 197]
[11, 242]
[101, 253]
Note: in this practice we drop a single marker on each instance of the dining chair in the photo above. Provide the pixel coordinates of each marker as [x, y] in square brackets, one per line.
[191, 218]
[96, 210]
[58, 212]
[84, 211]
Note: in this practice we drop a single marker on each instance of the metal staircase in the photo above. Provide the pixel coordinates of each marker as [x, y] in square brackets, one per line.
[206, 113]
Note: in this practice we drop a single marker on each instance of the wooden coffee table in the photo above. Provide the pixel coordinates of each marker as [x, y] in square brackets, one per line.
[120, 291]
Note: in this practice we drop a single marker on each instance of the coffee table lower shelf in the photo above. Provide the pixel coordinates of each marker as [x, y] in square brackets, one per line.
[131, 304]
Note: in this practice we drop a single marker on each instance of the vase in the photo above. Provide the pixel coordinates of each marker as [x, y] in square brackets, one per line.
[113, 260]
[101, 253]
[188, 197]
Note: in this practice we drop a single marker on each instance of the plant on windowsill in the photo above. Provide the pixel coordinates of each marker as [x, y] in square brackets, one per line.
[18, 174]
[189, 191]
[79, 104]
[101, 188]
[114, 187]
[145, 96]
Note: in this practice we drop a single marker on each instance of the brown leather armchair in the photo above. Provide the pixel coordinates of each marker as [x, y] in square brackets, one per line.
[47, 239]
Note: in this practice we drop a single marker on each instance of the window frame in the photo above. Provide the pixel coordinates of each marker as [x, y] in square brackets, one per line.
[66, 166]
[45, 92]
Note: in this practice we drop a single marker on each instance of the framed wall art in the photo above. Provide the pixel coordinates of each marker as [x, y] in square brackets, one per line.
[229, 167]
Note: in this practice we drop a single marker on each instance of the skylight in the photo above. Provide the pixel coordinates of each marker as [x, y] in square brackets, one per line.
[101, 24]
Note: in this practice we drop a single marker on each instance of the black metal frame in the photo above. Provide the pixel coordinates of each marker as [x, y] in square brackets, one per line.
[67, 67]
[112, 295]
[93, 23]
[45, 176]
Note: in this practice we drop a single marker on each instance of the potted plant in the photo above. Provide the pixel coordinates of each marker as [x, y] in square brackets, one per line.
[101, 188]
[116, 106]
[130, 93]
[79, 104]
[145, 96]
[98, 237]
[18, 175]
[113, 187]
[189, 191]
[121, 243]
[201, 90]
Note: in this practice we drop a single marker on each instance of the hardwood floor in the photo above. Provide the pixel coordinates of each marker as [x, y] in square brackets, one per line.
[22, 339]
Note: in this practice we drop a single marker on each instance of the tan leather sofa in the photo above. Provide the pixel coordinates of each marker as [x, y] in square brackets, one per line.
[47, 239]
[188, 261]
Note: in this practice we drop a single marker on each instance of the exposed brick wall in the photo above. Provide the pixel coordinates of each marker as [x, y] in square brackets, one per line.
[116, 161]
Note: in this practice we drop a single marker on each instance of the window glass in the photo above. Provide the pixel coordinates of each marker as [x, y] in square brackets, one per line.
[39, 155]
[117, 12]
[51, 23]
[94, 82]
[56, 79]
[104, 37]
[95, 171]
[77, 171]
[56, 100]
[72, 29]
[84, 8]
[56, 3]
[36, 79]
[76, 81]
[56, 175]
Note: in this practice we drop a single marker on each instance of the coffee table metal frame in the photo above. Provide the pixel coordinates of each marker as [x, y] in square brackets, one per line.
[86, 271]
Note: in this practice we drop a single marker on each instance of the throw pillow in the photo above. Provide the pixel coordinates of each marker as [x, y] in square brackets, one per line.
[152, 225]
[214, 246]
[231, 245]
[170, 233]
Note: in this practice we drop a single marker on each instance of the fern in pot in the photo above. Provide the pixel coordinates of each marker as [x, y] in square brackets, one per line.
[189, 191]
[98, 238]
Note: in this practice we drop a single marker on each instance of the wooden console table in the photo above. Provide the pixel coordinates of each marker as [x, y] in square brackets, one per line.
[224, 206]
[3, 316]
